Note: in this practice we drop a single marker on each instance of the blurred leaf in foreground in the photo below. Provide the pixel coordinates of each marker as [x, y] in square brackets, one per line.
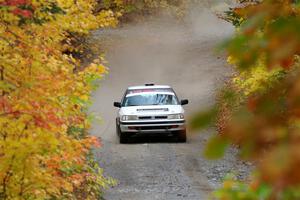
[264, 121]
[204, 119]
[216, 147]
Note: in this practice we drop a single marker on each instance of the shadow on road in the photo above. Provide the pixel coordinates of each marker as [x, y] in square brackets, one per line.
[152, 139]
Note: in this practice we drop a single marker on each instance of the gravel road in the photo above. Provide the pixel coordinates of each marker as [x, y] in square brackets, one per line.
[163, 51]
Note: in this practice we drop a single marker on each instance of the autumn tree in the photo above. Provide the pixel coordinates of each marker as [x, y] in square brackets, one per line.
[44, 144]
[262, 100]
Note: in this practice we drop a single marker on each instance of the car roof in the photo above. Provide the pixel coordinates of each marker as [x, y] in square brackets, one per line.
[148, 86]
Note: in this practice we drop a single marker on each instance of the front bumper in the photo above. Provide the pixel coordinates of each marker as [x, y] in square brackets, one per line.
[152, 126]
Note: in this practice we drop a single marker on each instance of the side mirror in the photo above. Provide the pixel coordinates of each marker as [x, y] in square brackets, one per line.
[184, 102]
[117, 104]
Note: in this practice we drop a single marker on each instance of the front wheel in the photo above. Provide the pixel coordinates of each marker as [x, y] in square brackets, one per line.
[122, 137]
[182, 136]
[118, 130]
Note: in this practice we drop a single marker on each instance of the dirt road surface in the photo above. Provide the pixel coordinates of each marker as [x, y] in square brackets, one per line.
[182, 55]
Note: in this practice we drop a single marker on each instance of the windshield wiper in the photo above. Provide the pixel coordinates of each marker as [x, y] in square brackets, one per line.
[156, 104]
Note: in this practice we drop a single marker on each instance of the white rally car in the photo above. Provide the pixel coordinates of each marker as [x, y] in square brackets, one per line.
[150, 109]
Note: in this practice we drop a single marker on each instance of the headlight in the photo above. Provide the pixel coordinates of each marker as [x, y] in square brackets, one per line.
[176, 116]
[129, 117]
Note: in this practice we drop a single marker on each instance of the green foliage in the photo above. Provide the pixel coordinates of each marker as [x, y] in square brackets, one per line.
[204, 119]
[216, 147]
[236, 190]
[233, 18]
[140, 8]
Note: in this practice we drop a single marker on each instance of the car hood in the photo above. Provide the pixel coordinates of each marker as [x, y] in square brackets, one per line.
[151, 110]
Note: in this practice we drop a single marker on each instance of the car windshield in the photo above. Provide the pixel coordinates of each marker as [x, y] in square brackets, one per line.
[147, 99]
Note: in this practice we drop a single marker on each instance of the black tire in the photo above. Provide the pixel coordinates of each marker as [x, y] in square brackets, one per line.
[182, 136]
[118, 130]
[123, 138]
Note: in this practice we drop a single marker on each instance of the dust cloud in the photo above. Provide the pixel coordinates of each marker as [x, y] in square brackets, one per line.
[164, 50]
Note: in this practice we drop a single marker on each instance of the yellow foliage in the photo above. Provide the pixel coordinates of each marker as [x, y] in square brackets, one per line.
[43, 141]
[256, 79]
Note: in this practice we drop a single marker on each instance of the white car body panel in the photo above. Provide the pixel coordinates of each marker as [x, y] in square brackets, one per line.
[151, 110]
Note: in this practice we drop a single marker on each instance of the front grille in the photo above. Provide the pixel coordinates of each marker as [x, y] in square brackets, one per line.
[145, 117]
[152, 117]
[161, 117]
